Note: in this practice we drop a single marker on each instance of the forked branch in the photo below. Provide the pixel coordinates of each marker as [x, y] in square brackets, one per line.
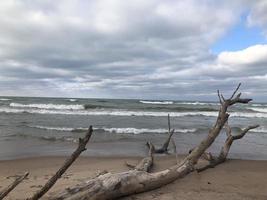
[214, 161]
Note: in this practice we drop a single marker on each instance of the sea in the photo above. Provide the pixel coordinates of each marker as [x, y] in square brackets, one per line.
[31, 127]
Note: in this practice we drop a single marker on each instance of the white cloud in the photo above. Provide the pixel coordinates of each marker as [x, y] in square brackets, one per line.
[252, 55]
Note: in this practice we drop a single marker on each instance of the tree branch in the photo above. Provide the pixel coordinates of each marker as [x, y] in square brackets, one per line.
[8, 189]
[81, 147]
[226, 148]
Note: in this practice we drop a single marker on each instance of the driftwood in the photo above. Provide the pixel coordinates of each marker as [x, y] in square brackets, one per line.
[146, 163]
[9, 188]
[112, 186]
[81, 147]
[214, 161]
[165, 146]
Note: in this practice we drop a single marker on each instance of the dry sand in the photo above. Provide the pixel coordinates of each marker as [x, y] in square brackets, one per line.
[233, 180]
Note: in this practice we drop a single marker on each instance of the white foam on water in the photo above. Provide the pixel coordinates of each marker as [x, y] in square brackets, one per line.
[156, 102]
[48, 106]
[145, 130]
[197, 103]
[53, 128]
[5, 99]
[100, 112]
[117, 130]
[259, 130]
[263, 110]
[72, 100]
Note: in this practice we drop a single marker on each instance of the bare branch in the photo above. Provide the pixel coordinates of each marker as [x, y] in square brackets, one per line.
[244, 131]
[219, 96]
[65, 166]
[169, 123]
[175, 150]
[235, 91]
[8, 189]
[222, 97]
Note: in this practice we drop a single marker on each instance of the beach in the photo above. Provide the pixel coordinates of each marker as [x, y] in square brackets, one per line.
[37, 134]
[232, 180]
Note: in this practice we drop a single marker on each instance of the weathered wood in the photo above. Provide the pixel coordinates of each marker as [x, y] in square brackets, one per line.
[81, 147]
[112, 186]
[9, 188]
[165, 146]
[214, 161]
[146, 163]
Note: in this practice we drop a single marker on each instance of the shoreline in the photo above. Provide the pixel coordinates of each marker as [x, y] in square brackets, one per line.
[235, 179]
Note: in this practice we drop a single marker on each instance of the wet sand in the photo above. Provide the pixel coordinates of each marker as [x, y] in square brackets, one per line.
[233, 180]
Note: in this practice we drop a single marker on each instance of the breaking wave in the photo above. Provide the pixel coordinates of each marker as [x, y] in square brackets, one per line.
[101, 112]
[262, 110]
[5, 99]
[259, 130]
[198, 103]
[72, 100]
[156, 102]
[48, 106]
[115, 130]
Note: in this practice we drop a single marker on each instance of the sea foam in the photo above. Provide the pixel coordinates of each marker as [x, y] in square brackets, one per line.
[48, 106]
[113, 112]
[156, 102]
[115, 130]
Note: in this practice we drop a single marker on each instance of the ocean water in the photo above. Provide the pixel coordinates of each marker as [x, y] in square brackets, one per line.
[51, 126]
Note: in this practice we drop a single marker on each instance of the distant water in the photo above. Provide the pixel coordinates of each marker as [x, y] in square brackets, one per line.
[51, 126]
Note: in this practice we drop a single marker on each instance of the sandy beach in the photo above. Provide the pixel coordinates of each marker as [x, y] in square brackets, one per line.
[235, 179]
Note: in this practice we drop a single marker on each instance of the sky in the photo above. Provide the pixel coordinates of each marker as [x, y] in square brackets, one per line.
[152, 49]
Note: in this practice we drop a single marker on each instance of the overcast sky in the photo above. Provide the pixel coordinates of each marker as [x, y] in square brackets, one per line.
[150, 49]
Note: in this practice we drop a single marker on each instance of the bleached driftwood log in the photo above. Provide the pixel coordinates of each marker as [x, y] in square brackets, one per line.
[112, 186]
[81, 147]
[214, 161]
[9, 188]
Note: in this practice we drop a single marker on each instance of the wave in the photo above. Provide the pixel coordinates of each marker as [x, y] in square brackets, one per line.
[259, 130]
[5, 99]
[258, 104]
[48, 106]
[101, 112]
[72, 100]
[156, 102]
[115, 130]
[145, 130]
[53, 128]
[198, 103]
[262, 110]
[45, 137]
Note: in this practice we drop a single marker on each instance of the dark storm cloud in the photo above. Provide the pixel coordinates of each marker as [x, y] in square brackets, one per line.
[118, 49]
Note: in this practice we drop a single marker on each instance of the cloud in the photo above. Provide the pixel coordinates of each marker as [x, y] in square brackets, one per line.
[119, 49]
[258, 15]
